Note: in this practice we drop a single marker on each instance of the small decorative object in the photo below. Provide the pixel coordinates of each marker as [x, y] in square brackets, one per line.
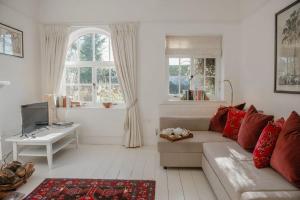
[11, 41]
[175, 134]
[107, 104]
[75, 104]
[13, 175]
[287, 49]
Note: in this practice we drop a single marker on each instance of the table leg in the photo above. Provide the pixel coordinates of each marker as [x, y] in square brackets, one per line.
[49, 155]
[15, 151]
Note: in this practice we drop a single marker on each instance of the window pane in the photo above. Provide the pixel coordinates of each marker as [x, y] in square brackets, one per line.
[114, 78]
[104, 93]
[199, 83]
[173, 85]
[85, 93]
[116, 93]
[174, 70]
[173, 61]
[71, 75]
[73, 92]
[199, 66]
[210, 67]
[101, 47]
[103, 76]
[72, 52]
[185, 61]
[86, 47]
[184, 84]
[85, 75]
[185, 70]
[210, 86]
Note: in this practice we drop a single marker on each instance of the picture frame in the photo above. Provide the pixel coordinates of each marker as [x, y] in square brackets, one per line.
[11, 41]
[287, 50]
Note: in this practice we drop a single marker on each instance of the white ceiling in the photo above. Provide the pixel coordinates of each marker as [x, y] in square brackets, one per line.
[143, 10]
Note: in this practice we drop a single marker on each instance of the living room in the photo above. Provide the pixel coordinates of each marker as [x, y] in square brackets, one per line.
[151, 80]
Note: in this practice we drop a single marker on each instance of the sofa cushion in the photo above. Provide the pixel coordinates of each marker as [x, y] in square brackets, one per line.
[251, 128]
[233, 124]
[286, 155]
[273, 195]
[234, 167]
[266, 144]
[190, 145]
[218, 121]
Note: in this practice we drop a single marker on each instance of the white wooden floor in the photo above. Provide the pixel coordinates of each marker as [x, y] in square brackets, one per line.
[117, 162]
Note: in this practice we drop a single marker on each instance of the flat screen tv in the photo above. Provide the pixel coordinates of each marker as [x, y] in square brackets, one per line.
[34, 116]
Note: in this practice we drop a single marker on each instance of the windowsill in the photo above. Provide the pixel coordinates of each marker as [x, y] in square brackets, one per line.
[192, 102]
[101, 107]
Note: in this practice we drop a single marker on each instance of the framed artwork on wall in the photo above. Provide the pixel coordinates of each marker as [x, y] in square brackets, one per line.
[11, 41]
[287, 49]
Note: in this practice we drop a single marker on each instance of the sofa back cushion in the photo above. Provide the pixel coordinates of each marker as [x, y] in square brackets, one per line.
[266, 144]
[286, 155]
[218, 121]
[233, 123]
[252, 127]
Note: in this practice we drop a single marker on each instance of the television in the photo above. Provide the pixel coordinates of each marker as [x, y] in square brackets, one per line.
[34, 116]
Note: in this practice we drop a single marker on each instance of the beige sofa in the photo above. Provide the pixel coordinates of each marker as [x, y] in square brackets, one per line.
[228, 167]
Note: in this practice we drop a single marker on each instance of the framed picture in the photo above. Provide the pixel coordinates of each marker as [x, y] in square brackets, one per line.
[11, 41]
[287, 49]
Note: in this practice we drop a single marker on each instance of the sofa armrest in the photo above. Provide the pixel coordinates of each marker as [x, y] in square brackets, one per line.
[190, 123]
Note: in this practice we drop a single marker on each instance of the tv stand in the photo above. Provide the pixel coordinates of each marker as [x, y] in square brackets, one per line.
[45, 143]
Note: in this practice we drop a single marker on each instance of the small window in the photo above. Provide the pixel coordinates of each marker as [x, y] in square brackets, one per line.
[193, 66]
[90, 74]
[192, 73]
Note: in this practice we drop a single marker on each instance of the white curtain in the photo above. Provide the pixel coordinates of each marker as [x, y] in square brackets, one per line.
[54, 42]
[124, 45]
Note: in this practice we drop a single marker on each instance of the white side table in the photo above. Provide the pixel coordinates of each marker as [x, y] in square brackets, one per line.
[45, 143]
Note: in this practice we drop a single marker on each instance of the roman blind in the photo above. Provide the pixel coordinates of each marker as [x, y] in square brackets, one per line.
[206, 46]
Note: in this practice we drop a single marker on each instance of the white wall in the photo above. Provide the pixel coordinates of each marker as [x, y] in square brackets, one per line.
[152, 73]
[157, 19]
[257, 72]
[22, 72]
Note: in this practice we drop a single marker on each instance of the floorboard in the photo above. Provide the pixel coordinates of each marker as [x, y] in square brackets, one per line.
[117, 162]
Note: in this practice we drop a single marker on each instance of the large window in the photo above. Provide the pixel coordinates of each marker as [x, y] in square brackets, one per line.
[90, 74]
[192, 73]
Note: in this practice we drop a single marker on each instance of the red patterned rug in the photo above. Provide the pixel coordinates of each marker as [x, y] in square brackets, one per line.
[93, 189]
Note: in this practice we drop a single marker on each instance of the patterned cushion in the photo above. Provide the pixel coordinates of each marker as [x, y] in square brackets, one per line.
[233, 123]
[218, 121]
[266, 144]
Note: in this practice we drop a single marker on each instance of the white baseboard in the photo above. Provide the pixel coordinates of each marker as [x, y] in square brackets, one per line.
[114, 140]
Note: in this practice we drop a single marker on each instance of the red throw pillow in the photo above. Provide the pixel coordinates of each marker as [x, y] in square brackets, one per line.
[233, 123]
[286, 155]
[251, 128]
[218, 121]
[266, 144]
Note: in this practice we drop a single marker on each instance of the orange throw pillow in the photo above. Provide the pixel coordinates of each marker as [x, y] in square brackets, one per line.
[251, 128]
[286, 155]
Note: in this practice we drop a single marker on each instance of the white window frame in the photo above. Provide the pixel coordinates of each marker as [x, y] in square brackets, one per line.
[217, 76]
[93, 64]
